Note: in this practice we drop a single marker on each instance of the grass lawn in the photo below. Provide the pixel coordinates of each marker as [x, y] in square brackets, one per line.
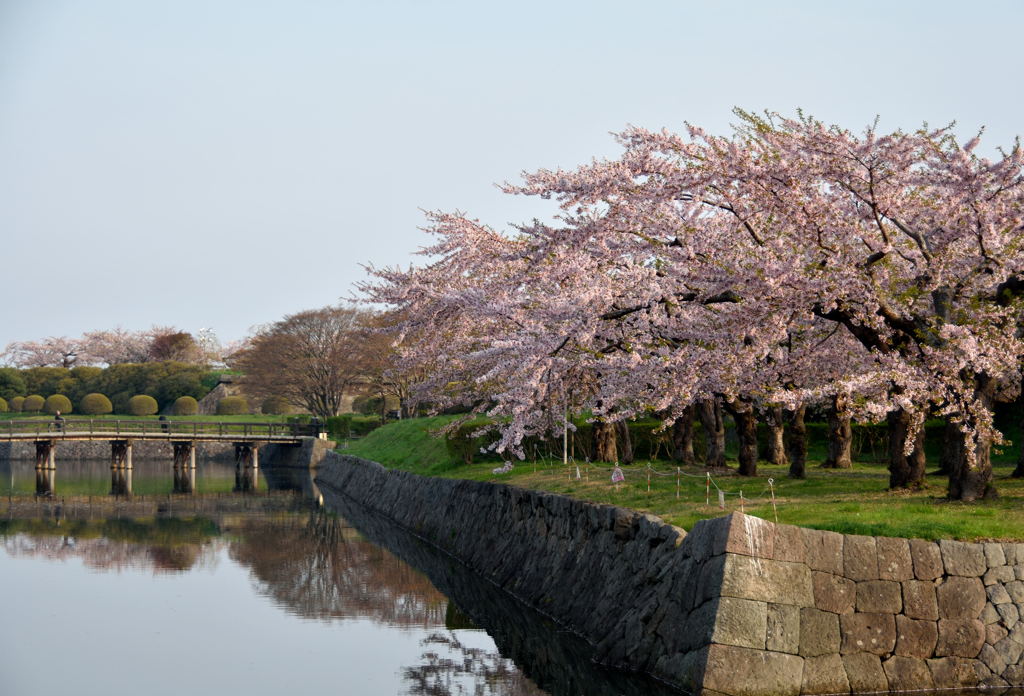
[854, 501]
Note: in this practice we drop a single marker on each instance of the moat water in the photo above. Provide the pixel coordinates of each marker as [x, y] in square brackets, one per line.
[254, 593]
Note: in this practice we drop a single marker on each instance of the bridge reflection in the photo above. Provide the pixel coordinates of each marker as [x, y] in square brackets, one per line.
[122, 468]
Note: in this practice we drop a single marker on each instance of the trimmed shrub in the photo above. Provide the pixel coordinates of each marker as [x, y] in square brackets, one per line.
[351, 425]
[33, 404]
[95, 405]
[275, 405]
[185, 406]
[57, 402]
[16, 403]
[363, 425]
[3, 405]
[339, 427]
[232, 406]
[368, 405]
[142, 405]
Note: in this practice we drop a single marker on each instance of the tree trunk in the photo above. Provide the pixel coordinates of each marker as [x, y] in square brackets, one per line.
[797, 444]
[625, 442]
[840, 436]
[604, 442]
[682, 438]
[951, 436]
[746, 429]
[710, 413]
[971, 481]
[1018, 472]
[905, 471]
[775, 450]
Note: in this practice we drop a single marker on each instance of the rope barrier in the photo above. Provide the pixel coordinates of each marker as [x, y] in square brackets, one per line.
[620, 476]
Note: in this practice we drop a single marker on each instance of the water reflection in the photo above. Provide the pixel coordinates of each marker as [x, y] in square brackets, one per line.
[161, 545]
[558, 662]
[319, 567]
[450, 667]
[143, 476]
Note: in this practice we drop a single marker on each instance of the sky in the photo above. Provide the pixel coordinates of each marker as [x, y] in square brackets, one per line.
[220, 164]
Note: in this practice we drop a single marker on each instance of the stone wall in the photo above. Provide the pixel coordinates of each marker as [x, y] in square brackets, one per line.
[738, 606]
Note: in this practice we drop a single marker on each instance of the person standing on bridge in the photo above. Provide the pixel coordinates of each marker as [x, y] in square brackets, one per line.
[58, 422]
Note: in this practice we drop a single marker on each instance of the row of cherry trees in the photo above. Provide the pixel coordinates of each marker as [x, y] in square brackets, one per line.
[117, 346]
[789, 263]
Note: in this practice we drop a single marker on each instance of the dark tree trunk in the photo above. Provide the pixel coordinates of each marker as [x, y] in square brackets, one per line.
[775, 448]
[682, 438]
[710, 413]
[951, 440]
[796, 447]
[905, 470]
[840, 436]
[1018, 471]
[971, 481]
[604, 442]
[746, 430]
[625, 442]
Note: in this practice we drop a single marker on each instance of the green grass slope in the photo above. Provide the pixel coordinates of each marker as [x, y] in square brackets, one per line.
[408, 444]
[853, 501]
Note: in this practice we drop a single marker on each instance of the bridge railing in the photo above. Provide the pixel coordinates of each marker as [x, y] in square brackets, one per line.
[148, 428]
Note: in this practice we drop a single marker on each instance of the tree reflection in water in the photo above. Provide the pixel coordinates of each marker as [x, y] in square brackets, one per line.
[316, 565]
[322, 568]
[452, 668]
[164, 546]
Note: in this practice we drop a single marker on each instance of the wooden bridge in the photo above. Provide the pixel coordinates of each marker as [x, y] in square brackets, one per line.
[181, 435]
[107, 429]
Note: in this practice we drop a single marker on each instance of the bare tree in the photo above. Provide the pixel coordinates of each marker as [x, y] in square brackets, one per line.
[310, 358]
[179, 346]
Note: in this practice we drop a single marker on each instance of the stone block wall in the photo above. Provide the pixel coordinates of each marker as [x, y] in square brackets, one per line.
[738, 606]
[863, 613]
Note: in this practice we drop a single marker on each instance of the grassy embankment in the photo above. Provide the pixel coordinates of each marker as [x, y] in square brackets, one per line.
[854, 501]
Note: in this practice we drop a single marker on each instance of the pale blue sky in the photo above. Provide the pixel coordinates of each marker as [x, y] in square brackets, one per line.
[220, 163]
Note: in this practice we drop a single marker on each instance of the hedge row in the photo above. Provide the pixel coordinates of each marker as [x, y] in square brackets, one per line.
[96, 404]
[232, 406]
[350, 425]
[164, 381]
[92, 404]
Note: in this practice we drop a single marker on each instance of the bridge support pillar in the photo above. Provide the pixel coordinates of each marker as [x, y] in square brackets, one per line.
[46, 467]
[120, 467]
[247, 466]
[184, 467]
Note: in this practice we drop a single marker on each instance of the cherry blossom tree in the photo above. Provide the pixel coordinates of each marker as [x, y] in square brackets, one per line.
[118, 345]
[54, 351]
[691, 266]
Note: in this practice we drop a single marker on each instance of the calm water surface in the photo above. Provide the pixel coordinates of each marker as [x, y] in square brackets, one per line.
[255, 594]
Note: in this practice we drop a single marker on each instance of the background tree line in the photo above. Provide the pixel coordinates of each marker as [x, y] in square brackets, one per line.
[164, 381]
